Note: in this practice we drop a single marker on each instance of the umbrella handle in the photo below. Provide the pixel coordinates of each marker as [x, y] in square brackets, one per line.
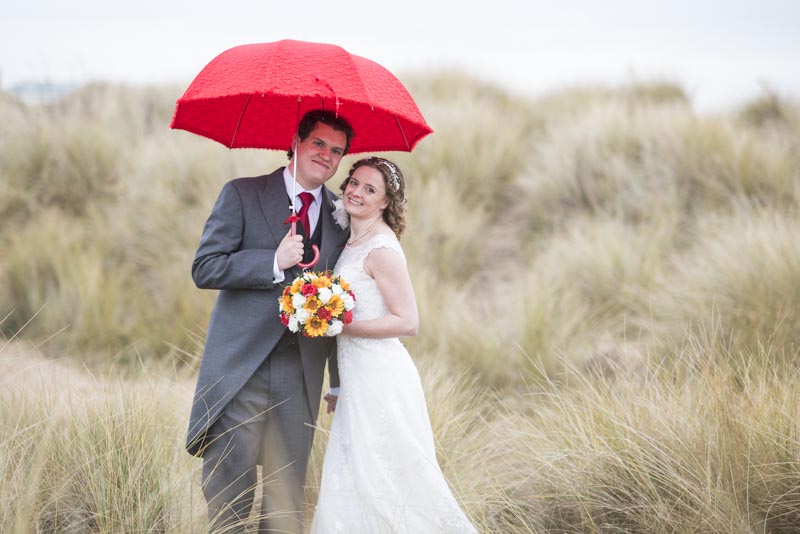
[315, 248]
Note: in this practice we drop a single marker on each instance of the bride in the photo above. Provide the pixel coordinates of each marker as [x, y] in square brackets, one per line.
[380, 473]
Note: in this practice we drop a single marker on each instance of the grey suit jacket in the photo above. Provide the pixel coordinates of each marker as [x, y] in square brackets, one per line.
[236, 255]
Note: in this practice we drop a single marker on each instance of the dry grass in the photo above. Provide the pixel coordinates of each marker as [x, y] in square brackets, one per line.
[608, 285]
[82, 453]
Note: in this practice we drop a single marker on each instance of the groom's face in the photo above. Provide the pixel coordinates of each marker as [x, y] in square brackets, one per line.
[318, 156]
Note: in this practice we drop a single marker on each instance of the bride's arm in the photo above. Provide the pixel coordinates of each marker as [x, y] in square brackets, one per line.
[389, 271]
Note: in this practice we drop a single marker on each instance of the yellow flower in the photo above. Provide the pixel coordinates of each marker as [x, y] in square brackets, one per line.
[286, 304]
[297, 284]
[312, 304]
[316, 327]
[335, 305]
[322, 281]
[344, 285]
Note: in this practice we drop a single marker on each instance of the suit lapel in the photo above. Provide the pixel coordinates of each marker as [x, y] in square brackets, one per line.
[275, 205]
[333, 236]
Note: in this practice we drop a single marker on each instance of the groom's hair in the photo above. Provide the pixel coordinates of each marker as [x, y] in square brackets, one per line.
[335, 121]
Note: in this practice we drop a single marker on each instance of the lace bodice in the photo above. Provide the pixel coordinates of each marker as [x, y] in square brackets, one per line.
[369, 302]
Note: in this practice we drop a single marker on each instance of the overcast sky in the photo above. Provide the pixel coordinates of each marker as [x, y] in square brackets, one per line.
[721, 52]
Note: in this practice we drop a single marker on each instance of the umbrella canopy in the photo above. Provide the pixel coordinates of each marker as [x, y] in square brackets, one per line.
[253, 96]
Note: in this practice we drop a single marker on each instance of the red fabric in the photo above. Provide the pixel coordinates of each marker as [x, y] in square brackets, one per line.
[306, 198]
[253, 96]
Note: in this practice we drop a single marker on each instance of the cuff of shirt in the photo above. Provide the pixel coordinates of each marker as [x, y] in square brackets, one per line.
[333, 391]
[277, 274]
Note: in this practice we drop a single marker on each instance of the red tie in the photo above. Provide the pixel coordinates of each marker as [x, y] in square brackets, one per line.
[306, 198]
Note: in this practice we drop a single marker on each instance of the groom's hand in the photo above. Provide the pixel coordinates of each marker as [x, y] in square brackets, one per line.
[330, 400]
[290, 251]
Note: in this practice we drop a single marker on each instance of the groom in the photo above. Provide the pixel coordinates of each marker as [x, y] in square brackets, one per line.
[259, 386]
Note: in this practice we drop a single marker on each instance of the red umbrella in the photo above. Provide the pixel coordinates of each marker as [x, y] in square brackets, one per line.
[253, 96]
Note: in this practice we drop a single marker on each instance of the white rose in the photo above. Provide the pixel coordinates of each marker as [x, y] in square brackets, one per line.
[324, 295]
[349, 303]
[298, 300]
[302, 315]
[294, 325]
[337, 289]
[335, 328]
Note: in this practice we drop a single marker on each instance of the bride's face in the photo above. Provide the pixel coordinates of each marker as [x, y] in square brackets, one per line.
[365, 194]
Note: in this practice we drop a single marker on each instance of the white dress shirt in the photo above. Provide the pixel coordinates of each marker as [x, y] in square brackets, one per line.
[313, 214]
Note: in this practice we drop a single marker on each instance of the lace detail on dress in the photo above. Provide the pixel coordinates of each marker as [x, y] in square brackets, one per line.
[370, 304]
[369, 301]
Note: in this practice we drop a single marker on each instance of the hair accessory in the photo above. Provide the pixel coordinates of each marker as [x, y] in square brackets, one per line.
[394, 179]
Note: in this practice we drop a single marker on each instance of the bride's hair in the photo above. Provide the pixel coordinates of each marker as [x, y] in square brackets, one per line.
[395, 213]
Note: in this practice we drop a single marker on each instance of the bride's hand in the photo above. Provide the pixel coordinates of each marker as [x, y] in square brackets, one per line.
[330, 400]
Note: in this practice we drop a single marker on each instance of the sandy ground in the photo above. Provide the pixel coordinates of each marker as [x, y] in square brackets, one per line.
[22, 365]
[24, 369]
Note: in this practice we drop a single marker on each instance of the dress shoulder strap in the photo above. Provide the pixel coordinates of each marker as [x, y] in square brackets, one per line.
[381, 241]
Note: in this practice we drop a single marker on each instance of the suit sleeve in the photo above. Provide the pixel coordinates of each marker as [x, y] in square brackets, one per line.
[220, 262]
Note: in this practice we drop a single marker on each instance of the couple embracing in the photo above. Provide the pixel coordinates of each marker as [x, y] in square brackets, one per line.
[259, 387]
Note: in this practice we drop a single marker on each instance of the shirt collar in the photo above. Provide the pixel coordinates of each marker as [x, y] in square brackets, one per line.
[288, 182]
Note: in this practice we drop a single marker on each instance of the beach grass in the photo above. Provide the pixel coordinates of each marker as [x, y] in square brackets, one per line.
[607, 283]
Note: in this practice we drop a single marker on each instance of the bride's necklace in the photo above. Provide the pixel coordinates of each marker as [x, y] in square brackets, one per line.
[351, 241]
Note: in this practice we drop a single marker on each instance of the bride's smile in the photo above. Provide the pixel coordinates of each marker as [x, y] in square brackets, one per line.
[365, 193]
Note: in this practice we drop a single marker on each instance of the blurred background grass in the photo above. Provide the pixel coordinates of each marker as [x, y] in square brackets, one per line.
[607, 281]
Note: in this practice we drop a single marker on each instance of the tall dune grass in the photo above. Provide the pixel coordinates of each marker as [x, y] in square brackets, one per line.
[91, 454]
[715, 451]
[607, 281]
[744, 271]
[704, 442]
[570, 207]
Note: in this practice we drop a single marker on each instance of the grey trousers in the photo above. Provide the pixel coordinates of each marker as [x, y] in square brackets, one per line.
[268, 420]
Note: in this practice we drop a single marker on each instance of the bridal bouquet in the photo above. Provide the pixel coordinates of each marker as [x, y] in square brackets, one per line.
[317, 304]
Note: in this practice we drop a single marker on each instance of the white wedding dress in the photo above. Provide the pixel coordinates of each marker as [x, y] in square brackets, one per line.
[380, 474]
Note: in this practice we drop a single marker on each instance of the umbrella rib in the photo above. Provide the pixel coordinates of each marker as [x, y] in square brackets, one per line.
[333, 91]
[400, 127]
[370, 100]
[241, 115]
